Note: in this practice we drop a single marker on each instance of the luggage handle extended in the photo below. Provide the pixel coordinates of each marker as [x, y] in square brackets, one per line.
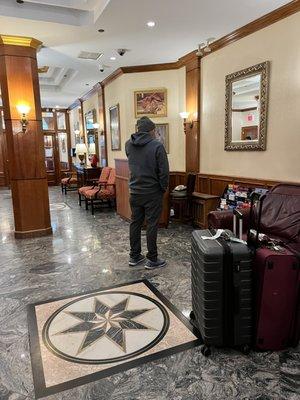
[251, 218]
[238, 215]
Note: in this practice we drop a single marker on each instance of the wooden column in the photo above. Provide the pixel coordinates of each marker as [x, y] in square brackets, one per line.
[102, 121]
[192, 125]
[25, 150]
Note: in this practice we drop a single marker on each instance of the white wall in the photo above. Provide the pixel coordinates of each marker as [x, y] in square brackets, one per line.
[280, 44]
[121, 91]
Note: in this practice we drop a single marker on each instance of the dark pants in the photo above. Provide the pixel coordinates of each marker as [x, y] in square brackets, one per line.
[143, 207]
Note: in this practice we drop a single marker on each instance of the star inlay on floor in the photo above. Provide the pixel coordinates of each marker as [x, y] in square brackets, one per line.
[111, 322]
[81, 339]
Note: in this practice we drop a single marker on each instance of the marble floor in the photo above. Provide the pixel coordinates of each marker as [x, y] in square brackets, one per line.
[86, 253]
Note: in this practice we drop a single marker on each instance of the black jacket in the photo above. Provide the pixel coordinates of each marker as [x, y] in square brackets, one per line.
[148, 164]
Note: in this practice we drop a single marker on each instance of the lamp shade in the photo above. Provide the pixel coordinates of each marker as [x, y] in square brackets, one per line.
[184, 114]
[81, 148]
[23, 108]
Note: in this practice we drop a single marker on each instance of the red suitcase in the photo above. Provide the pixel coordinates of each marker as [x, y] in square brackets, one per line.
[277, 280]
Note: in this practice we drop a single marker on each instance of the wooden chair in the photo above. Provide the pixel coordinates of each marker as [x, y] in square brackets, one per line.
[102, 180]
[104, 194]
[69, 183]
[182, 205]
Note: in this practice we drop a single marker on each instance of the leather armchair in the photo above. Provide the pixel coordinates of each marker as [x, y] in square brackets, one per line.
[280, 215]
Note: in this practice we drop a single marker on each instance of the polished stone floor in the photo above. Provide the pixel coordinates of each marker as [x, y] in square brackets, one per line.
[86, 253]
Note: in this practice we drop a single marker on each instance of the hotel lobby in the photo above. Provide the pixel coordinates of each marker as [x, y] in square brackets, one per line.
[220, 81]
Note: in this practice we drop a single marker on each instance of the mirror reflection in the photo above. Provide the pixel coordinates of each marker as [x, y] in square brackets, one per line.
[245, 109]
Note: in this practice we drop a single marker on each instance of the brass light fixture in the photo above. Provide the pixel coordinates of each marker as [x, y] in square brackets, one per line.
[23, 110]
[184, 115]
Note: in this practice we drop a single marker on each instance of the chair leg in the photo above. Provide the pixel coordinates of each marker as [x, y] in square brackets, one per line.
[79, 198]
[62, 188]
[65, 189]
[86, 204]
[92, 206]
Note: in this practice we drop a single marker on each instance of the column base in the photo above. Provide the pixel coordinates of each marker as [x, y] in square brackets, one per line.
[33, 234]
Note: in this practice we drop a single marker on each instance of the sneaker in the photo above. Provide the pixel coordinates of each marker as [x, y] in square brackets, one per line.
[136, 261]
[155, 264]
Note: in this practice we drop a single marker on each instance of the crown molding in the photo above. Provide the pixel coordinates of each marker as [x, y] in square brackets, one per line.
[191, 60]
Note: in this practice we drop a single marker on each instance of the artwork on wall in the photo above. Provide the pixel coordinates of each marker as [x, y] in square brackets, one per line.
[150, 103]
[114, 118]
[162, 134]
[48, 121]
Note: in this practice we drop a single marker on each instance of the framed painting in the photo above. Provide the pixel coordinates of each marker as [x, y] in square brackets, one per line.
[150, 103]
[115, 133]
[162, 134]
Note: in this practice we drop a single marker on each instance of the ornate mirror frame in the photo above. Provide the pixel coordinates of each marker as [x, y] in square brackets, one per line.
[263, 70]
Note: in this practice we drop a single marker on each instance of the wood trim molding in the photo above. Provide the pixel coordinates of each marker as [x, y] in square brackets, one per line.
[258, 24]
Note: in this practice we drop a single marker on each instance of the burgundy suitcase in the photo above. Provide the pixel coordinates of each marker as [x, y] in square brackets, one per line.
[277, 280]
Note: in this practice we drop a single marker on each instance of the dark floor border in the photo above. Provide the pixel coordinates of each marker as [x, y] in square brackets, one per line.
[36, 360]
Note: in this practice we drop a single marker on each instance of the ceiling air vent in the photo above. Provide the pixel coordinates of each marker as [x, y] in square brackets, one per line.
[87, 55]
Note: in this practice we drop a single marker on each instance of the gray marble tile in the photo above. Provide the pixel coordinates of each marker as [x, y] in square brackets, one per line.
[89, 252]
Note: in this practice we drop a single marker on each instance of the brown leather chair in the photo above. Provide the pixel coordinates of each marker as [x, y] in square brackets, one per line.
[280, 215]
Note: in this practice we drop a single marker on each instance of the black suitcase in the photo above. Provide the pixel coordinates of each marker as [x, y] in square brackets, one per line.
[222, 291]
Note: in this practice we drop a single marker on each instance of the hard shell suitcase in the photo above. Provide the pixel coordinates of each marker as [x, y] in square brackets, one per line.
[221, 291]
[277, 278]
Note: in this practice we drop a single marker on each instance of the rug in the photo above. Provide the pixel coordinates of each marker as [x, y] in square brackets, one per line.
[80, 339]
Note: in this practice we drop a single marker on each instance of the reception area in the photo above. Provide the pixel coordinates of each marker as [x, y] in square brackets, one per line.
[80, 318]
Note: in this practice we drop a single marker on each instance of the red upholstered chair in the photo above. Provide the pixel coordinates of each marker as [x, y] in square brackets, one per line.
[105, 193]
[98, 182]
[69, 183]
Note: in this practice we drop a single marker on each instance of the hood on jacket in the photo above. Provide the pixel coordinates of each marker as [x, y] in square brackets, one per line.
[140, 138]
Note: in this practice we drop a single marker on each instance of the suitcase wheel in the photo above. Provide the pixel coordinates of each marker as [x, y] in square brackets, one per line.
[205, 350]
[245, 349]
[192, 315]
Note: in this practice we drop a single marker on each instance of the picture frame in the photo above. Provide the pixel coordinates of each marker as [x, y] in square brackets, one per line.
[114, 123]
[162, 135]
[162, 131]
[151, 103]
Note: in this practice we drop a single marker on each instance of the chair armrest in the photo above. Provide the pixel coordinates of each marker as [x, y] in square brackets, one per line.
[224, 219]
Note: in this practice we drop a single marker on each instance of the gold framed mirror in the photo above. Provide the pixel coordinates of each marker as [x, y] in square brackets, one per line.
[246, 100]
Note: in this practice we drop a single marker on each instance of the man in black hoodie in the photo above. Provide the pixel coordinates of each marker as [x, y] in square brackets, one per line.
[149, 179]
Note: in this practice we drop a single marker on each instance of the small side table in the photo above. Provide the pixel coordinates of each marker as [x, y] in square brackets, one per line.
[86, 174]
[202, 204]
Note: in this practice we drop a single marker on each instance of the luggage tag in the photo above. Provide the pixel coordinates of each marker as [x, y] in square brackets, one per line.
[215, 236]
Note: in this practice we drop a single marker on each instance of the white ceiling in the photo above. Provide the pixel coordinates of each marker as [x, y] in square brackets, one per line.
[67, 27]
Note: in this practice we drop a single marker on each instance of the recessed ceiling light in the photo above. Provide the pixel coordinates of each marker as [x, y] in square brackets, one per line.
[101, 30]
[56, 106]
[113, 58]
[151, 24]
[87, 84]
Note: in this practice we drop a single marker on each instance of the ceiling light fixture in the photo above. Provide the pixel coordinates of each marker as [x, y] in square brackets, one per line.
[151, 24]
[113, 58]
[101, 30]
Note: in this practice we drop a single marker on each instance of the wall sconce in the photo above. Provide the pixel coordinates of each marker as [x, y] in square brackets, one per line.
[81, 150]
[184, 115]
[23, 109]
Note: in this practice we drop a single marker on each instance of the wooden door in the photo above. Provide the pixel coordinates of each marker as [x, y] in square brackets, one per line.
[57, 144]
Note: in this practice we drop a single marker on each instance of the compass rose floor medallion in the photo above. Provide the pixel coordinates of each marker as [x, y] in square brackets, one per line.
[80, 339]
